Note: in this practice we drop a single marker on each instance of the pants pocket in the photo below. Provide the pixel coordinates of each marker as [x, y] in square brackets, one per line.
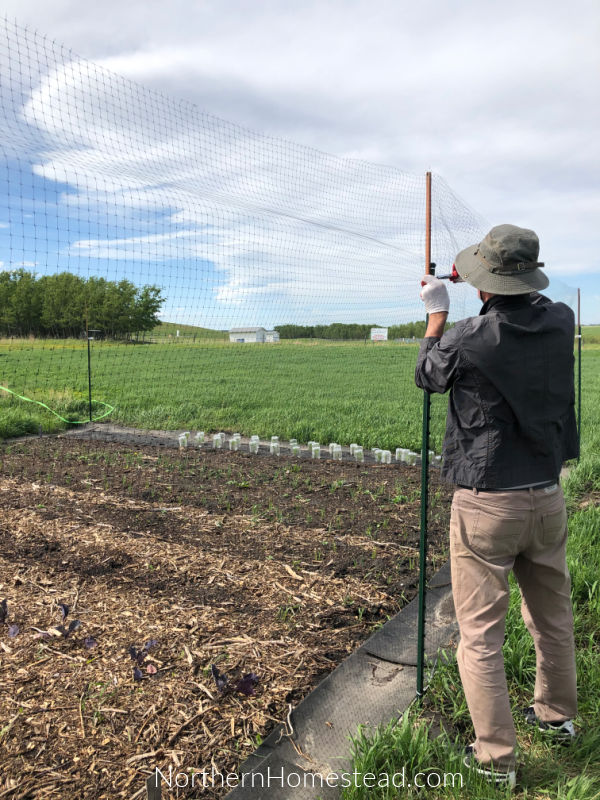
[493, 535]
[554, 527]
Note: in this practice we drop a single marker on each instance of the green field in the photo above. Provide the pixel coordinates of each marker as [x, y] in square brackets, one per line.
[591, 334]
[327, 392]
[340, 392]
[168, 330]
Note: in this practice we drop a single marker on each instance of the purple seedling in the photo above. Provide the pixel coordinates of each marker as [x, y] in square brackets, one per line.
[245, 686]
[139, 659]
[13, 630]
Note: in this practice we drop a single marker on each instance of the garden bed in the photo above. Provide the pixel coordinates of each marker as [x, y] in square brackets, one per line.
[173, 562]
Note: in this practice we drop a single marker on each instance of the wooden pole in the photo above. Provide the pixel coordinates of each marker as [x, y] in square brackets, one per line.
[428, 223]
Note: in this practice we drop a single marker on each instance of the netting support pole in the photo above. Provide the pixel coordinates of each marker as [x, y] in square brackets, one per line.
[89, 354]
[424, 477]
[579, 373]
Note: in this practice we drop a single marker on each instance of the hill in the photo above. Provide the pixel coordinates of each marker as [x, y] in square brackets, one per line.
[167, 329]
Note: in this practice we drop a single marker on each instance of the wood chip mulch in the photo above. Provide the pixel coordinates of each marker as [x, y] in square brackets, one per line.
[170, 564]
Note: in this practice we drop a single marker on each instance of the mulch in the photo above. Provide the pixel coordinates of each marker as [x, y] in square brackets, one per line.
[172, 562]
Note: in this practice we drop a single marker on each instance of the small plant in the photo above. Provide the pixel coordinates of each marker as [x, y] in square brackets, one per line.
[73, 626]
[13, 629]
[64, 630]
[245, 686]
[400, 499]
[97, 695]
[139, 659]
[285, 613]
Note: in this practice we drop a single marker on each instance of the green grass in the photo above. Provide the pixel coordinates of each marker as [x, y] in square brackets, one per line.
[590, 334]
[169, 329]
[327, 392]
[340, 392]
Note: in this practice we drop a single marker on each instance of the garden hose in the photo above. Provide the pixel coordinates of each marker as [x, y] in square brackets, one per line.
[56, 414]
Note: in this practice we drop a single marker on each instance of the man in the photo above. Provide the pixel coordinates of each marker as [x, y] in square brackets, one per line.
[510, 426]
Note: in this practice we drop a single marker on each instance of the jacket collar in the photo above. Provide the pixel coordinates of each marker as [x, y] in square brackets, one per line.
[505, 302]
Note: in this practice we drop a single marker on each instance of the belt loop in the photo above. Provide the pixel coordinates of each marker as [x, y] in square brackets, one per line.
[475, 490]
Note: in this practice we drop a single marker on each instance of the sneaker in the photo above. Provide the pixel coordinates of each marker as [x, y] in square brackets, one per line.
[494, 775]
[563, 732]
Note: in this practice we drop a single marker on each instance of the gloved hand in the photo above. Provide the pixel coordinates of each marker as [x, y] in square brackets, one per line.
[434, 294]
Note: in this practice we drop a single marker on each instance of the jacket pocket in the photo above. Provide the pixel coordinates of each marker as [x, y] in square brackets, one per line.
[554, 527]
[495, 536]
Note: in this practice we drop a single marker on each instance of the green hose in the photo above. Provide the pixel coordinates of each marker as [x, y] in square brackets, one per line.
[68, 421]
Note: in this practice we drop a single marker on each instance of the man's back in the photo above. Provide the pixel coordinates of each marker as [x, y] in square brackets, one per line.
[511, 418]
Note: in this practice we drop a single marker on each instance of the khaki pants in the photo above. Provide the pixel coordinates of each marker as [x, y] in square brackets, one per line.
[490, 534]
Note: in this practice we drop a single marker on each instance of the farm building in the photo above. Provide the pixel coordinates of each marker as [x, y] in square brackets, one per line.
[253, 334]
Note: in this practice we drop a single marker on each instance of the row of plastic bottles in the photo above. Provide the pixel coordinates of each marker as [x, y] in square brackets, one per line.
[402, 454]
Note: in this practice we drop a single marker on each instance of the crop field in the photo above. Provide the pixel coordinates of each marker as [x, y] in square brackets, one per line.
[591, 334]
[341, 392]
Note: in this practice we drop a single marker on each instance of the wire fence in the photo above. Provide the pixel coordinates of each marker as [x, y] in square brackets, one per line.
[186, 246]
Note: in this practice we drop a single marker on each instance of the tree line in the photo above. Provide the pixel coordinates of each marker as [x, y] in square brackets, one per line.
[340, 330]
[63, 305]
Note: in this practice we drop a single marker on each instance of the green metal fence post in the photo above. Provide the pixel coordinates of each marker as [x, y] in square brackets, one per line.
[423, 544]
[429, 269]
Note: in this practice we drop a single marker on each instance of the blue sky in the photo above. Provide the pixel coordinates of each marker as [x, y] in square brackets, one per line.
[502, 103]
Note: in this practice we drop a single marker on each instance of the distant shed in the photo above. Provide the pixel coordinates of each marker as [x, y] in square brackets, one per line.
[251, 334]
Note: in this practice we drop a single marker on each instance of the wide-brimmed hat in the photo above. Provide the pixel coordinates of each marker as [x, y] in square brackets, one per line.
[504, 262]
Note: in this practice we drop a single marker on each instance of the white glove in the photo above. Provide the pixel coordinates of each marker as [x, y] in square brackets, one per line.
[434, 294]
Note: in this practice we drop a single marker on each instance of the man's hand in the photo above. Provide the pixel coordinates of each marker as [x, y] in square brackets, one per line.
[435, 295]
[437, 303]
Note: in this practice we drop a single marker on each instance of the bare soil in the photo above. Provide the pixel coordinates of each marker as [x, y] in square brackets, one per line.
[253, 564]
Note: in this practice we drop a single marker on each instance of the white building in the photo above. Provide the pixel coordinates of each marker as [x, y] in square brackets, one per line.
[252, 334]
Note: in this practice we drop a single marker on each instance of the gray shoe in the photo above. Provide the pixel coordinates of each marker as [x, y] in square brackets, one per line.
[563, 732]
[494, 775]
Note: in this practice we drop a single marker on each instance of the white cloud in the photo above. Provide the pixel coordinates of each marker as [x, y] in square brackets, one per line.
[250, 223]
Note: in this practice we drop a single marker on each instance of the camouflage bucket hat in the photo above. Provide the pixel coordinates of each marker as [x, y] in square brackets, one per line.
[504, 262]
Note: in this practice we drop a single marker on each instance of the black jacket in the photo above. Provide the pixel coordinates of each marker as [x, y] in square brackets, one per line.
[511, 416]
